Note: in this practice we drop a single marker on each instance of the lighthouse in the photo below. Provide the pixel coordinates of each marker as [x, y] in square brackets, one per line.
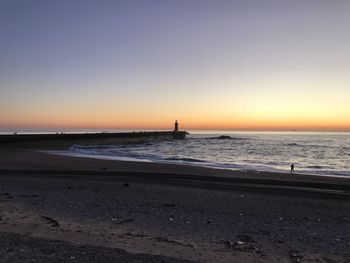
[176, 126]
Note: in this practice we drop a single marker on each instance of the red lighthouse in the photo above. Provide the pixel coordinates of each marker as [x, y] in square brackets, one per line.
[176, 126]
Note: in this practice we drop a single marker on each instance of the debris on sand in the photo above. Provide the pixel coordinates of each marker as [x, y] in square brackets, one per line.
[28, 196]
[245, 238]
[169, 205]
[128, 220]
[8, 195]
[173, 241]
[51, 221]
[243, 246]
[295, 256]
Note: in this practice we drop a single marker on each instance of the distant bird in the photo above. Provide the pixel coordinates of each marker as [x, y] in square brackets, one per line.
[125, 84]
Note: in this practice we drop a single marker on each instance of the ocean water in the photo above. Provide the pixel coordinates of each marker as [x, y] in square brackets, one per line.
[312, 153]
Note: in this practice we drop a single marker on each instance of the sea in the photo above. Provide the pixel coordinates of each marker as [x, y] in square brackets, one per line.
[319, 153]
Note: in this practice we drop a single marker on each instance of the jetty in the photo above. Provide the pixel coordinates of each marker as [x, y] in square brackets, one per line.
[65, 140]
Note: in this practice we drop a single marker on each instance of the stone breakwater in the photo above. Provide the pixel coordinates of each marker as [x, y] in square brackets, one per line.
[63, 140]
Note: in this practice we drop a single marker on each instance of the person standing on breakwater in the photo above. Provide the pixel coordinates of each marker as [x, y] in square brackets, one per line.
[292, 168]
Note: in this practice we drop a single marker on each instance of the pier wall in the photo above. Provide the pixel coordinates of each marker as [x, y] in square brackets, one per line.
[62, 141]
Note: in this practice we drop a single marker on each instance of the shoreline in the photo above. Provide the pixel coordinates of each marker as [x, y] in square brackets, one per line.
[184, 163]
[43, 164]
[168, 213]
[45, 160]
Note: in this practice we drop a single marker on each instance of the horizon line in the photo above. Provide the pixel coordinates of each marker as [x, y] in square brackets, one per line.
[104, 129]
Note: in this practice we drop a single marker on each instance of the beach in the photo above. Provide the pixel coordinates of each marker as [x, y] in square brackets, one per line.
[59, 208]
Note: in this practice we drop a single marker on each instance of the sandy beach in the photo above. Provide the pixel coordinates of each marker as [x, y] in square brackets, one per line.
[66, 209]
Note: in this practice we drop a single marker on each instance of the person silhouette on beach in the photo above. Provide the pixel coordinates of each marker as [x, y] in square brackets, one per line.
[292, 168]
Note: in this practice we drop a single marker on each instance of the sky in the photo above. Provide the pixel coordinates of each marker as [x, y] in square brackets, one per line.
[142, 64]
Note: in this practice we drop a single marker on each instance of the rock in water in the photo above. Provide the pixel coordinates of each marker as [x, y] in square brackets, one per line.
[224, 137]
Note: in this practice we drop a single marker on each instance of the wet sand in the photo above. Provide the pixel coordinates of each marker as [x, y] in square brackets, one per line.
[96, 209]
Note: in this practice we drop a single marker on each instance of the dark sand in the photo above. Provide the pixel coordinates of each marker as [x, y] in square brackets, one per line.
[58, 209]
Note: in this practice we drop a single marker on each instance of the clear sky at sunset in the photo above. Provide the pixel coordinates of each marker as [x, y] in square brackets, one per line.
[270, 65]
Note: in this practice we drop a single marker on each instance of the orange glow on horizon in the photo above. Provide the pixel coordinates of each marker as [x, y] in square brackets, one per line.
[246, 113]
[186, 123]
